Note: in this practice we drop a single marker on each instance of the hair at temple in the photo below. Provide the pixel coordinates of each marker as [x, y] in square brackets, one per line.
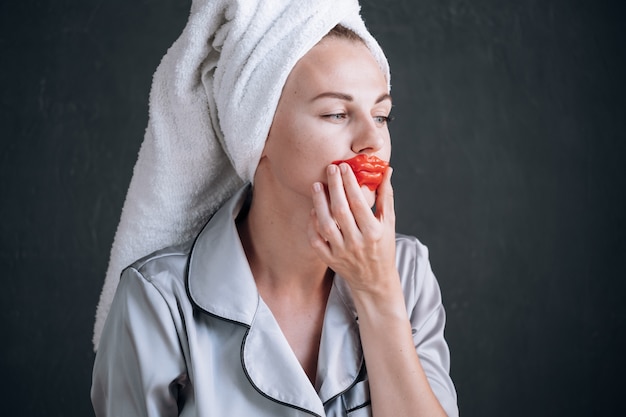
[343, 32]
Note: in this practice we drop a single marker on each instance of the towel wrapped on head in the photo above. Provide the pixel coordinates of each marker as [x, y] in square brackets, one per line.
[212, 102]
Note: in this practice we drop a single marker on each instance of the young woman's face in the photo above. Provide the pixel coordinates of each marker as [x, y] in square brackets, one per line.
[334, 106]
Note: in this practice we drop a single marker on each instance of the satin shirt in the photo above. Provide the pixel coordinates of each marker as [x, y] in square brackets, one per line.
[189, 335]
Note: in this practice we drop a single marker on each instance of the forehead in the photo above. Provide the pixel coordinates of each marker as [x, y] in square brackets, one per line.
[337, 63]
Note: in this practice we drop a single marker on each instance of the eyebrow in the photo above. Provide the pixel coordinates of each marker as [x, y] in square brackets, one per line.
[347, 97]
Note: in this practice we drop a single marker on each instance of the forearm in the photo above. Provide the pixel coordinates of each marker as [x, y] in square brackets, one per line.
[398, 384]
[361, 247]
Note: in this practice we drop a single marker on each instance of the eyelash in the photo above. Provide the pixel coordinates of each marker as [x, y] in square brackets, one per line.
[335, 116]
[384, 119]
[341, 116]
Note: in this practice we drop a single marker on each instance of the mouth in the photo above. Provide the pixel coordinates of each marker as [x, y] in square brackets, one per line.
[368, 170]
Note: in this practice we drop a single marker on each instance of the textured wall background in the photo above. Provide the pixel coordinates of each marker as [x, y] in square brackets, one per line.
[510, 157]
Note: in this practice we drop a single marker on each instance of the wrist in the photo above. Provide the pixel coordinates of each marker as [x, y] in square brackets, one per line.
[383, 303]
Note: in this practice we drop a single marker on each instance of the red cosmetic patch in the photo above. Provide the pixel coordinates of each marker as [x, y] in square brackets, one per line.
[368, 170]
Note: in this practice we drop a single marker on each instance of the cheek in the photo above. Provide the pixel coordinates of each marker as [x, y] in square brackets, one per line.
[387, 146]
[305, 146]
[289, 150]
[308, 159]
[304, 140]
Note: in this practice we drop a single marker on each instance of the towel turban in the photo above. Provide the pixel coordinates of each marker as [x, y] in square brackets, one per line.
[212, 102]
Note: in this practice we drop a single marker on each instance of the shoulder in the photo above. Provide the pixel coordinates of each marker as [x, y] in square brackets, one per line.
[164, 269]
[152, 292]
[414, 268]
[411, 255]
[411, 245]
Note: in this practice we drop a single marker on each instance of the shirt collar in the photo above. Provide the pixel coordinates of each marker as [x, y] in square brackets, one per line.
[219, 278]
[220, 282]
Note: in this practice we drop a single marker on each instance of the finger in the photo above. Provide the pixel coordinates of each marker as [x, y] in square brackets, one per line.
[359, 206]
[317, 241]
[339, 206]
[325, 222]
[385, 209]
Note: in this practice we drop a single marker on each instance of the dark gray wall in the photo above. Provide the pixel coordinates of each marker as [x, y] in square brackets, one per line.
[510, 156]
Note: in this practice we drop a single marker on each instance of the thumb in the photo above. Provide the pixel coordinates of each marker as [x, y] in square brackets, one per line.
[385, 210]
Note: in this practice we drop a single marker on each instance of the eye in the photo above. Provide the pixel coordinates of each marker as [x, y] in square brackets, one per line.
[382, 120]
[335, 117]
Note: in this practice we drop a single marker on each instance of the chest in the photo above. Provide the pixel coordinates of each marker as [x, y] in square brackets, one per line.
[234, 370]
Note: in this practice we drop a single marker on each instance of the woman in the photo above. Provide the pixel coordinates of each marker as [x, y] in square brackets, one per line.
[296, 298]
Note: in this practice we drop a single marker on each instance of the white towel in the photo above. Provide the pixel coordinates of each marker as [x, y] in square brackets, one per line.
[212, 102]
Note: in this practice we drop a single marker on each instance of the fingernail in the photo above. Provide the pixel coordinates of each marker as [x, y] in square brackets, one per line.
[332, 169]
[317, 187]
[344, 168]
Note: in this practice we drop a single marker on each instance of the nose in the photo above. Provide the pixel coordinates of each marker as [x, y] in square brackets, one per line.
[368, 137]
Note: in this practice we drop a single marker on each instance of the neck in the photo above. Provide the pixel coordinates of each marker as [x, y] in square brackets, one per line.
[274, 237]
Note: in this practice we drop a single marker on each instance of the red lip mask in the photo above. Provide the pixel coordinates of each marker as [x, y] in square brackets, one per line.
[368, 170]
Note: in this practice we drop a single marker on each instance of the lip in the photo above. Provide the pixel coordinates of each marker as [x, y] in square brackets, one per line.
[368, 170]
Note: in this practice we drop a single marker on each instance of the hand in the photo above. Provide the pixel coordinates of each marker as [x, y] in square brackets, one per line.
[360, 246]
[356, 243]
